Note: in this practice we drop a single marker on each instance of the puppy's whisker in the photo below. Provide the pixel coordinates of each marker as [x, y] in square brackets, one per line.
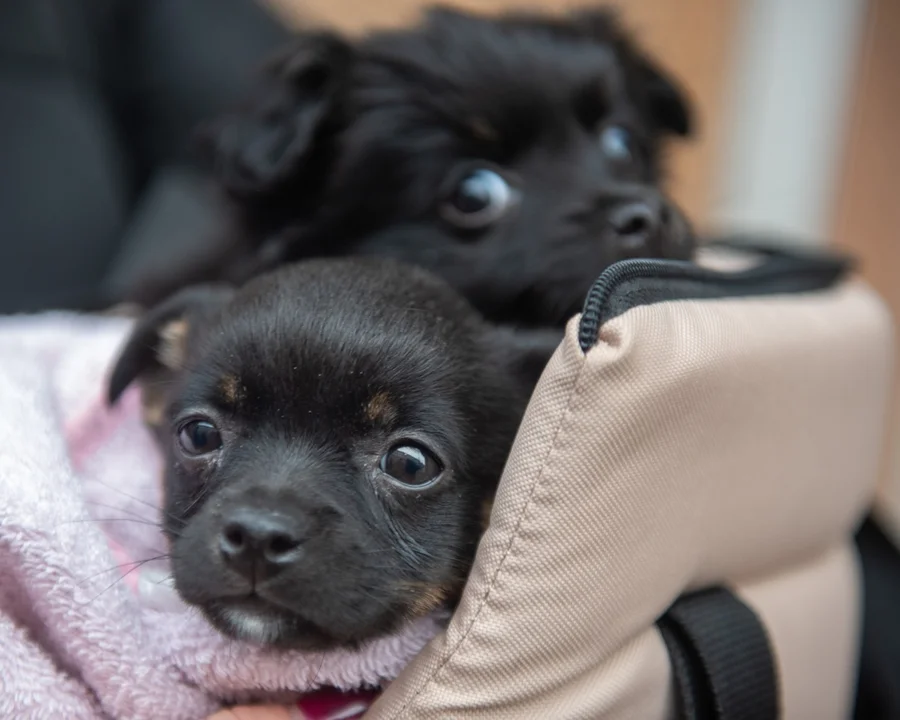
[136, 499]
[132, 565]
[197, 500]
[107, 520]
[116, 508]
[369, 594]
[413, 554]
[384, 551]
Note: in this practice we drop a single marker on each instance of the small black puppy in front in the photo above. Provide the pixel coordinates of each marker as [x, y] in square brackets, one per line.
[332, 432]
[516, 157]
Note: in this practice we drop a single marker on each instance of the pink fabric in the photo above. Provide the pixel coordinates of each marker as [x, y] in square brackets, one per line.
[90, 626]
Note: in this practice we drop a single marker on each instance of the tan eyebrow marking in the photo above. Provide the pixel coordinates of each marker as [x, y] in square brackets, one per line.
[380, 408]
[231, 389]
[428, 598]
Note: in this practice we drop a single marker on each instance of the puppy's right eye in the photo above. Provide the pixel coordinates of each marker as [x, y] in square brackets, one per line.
[479, 199]
[199, 437]
[412, 466]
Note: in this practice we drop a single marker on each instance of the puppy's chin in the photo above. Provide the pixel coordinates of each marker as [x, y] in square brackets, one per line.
[254, 621]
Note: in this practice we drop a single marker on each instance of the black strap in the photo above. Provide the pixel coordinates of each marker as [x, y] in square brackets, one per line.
[722, 663]
[878, 688]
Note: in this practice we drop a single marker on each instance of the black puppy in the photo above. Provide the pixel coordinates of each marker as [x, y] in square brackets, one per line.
[332, 432]
[516, 157]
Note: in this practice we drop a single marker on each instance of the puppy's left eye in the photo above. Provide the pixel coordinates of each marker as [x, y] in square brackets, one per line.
[617, 143]
[479, 199]
[411, 465]
[199, 437]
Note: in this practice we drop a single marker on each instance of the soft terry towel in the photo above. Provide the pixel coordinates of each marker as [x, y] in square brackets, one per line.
[89, 624]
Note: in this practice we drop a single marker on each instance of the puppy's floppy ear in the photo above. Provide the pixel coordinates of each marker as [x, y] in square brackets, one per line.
[259, 146]
[158, 342]
[669, 106]
[525, 352]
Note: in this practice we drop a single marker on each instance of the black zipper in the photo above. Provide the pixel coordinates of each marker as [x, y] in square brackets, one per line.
[631, 283]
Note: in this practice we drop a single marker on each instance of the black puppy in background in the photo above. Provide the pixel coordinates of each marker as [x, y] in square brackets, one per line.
[332, 431]
[517, 157]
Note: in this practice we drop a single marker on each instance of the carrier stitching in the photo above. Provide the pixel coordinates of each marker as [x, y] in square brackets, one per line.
[576, 392]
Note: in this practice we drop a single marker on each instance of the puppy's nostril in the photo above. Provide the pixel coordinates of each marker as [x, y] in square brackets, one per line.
[235, 538]
[632, 219]
[280, 544]
[634, 226]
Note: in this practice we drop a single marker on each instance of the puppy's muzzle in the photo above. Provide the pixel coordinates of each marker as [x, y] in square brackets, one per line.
[258, 543]
[648, 225]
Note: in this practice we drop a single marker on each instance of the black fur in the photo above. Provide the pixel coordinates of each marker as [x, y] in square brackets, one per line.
[353, 147]
[311, 374]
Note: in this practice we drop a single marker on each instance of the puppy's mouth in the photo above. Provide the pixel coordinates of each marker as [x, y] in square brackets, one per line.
[255, 620]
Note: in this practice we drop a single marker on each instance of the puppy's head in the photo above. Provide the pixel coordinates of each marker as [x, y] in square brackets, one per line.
[332, 432]
[517, 157]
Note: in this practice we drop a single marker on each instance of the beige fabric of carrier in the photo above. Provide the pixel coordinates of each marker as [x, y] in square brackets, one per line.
[699, 442]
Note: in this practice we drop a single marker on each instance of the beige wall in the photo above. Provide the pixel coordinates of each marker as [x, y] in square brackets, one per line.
[868, 213]
[788, 102]
[690, 36]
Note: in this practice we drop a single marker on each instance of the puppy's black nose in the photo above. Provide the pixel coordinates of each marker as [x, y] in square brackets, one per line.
[257, 543]
[637, 225]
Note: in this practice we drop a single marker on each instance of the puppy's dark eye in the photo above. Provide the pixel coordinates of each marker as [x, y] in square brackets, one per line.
[479, 199]
[199, 437]
[411, 465]
[617, 143]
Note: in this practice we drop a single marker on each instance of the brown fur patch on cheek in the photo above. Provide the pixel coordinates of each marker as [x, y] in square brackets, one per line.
[380, 408]
[173, 344]
[428, 598]
[486, 508]
[231, 390]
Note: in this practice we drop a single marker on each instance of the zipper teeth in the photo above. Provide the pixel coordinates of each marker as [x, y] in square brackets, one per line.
[619, 273]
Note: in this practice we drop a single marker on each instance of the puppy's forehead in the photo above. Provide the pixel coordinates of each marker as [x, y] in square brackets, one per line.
[527, 59]
[306, 383]
[340, 353]
[496, 82]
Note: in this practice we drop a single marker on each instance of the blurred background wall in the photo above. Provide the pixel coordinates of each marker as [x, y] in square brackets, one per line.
[867, 211]
[786, 110]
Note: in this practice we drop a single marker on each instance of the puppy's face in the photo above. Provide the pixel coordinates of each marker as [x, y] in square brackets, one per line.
[332, 432]
[516, 157]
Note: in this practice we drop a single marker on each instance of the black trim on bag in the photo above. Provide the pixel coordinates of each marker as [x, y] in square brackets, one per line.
[722, 663]
[631, 283]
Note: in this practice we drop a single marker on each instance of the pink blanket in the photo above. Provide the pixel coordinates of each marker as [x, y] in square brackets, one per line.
[90, 626]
